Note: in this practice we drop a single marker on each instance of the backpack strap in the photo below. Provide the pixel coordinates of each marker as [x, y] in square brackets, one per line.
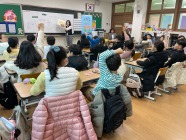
[117, 90]
[106, 93]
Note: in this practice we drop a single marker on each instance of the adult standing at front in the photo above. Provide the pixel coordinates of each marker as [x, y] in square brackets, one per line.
[68, 29]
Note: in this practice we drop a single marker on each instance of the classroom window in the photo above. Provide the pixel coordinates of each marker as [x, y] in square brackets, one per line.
[166, 19]
[154, 20]
[119, 8]
[156, 4]
[129, 7]
[183, 4]
[169, 4]
[182, 21]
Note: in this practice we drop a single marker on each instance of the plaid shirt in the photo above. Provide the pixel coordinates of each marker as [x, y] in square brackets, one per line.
[107, 79]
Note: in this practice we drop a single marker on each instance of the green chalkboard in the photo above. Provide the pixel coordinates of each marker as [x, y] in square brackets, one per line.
[97, 17]
[16, 10]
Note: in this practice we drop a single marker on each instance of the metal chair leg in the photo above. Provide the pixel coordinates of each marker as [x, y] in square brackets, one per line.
[175, 88]
[25, 109]
[148, 97]
[156, 92]
[164, 90]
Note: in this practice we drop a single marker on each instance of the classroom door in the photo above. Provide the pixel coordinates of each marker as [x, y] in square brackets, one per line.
[118, 23]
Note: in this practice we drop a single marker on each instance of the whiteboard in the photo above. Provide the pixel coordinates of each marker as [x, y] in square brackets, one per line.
[32, 18]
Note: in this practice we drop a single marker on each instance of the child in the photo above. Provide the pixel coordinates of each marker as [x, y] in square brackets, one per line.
[12, 51]
[179, 55]
[112, 34]
[51, 42]
[3, 43]
[181, 37]
[31, 38]
[149, 41]
[152, 64]
[94, 41]
[164, 38]
[101, 47]
[83, 42]
[109, 62]
[126, 56]
[75, 59]
[140, 46]
[119, 43]
[58, 79]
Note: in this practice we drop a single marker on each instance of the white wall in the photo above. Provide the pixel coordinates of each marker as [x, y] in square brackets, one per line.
[139, 20]
[78, 5]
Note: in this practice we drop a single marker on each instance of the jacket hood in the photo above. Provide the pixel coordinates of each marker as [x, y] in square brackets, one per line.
[161, 56]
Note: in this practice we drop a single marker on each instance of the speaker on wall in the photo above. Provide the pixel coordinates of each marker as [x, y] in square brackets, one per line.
[97, 2]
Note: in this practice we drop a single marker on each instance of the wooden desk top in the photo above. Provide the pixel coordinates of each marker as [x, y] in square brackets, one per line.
[149, 48]
[134, 63]
[86, 50]
[24, 90]
[111, 41]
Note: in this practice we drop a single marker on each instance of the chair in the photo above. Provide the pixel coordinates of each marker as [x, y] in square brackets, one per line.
[34, 75]
[137, 56]
[161, 72]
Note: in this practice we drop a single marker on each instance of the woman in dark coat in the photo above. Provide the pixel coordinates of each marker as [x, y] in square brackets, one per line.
[152, 64]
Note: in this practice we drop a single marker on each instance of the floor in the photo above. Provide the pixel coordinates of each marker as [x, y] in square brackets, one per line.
[164, 119]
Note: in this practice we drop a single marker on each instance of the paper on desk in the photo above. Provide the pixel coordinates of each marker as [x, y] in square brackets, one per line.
[12, 28]
[3, 28]
[89, 73]
[61, 22]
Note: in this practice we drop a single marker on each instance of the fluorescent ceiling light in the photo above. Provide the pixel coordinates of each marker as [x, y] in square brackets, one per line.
[159, 3]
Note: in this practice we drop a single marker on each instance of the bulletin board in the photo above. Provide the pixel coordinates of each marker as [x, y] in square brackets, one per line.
[97, 17]
[17, 11]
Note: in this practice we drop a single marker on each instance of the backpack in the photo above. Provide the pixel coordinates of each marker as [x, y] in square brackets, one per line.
[134, 86]
[8, 99]
[115, 110]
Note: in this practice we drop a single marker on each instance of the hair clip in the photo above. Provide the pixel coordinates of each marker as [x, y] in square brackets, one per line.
[56, 49]
[52, 47]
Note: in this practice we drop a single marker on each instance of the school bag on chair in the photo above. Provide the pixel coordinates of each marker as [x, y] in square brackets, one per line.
[9, 98]
[134, 86]
[115, 110]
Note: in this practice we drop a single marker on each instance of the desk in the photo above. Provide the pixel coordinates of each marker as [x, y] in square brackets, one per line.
[86, 51]
[133, 65]
[2, 59]
[23, 90]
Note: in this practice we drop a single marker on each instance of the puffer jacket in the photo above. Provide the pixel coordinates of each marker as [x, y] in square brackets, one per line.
[64, 117]
[97, 108]
[175, 75]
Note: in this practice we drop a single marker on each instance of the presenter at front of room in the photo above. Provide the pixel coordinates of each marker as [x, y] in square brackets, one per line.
[68, 29]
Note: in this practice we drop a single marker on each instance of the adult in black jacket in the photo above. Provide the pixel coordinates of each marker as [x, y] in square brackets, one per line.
[118, 43]
[179, 55]
[98, 49]
[75, 59]
[83, 42]
[152, 64]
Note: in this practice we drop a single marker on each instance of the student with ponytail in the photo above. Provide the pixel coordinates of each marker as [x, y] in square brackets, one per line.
[101, 47]
[12, 51]
[57, 79]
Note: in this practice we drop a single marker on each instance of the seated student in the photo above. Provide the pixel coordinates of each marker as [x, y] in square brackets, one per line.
[118, 44]
[112, 34]
[51, 42]
[149, 41]
[76, 59]
[12, 51]
[109, 62]
[3, 43]
[94, 41]
[31, 38]
[57, 79]
[126, 56]
[140, 46]
[83, 42]
[181, 37]
[98, 49]
[152, 64]
[179, 55]
[164, 38]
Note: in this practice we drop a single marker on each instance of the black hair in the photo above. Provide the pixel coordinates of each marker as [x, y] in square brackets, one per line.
[130, 45]
[54, 59]
[69, 22]
[119, 37]
[51, 40]
[112, 29]
[12, 42]
[102, 41]
[149, 35]
[76, 49]
[159, 45]
[1, 36]
[181, 36]
[181, 42]
[28, 57]
[96, 37]
[83, 36]
[144, 37]
[31, 37]
[163, 37]
[113, 62]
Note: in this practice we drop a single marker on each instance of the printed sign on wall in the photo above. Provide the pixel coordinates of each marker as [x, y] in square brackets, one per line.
[86, 25]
